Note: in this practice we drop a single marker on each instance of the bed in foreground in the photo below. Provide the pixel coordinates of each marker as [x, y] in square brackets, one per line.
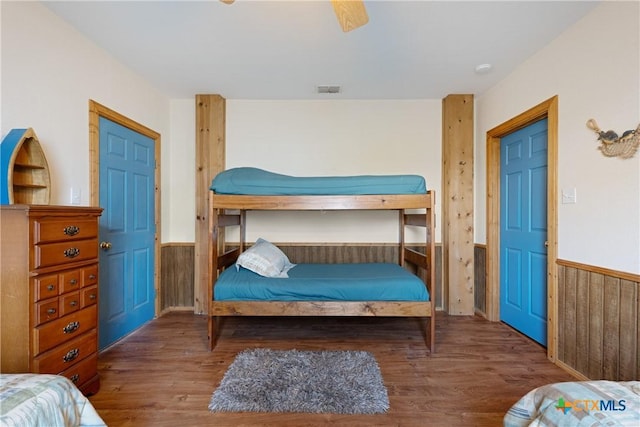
[44, 400]
[580, 403]
[330, 290]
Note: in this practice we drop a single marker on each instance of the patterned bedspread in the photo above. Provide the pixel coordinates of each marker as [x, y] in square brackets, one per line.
[44, 400]
[582, 403]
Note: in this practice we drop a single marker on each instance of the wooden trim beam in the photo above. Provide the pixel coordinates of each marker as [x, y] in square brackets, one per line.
[457, 203]
[418, 220]
[284, 203]
[228, 220]
[415, 258]
[228, 258]
[210, 160]
[600, 270]
[321, 308]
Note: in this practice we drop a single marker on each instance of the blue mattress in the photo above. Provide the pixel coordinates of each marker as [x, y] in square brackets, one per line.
[253, 181]
[323, 282]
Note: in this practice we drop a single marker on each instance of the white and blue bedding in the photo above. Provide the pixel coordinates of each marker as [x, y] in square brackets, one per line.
[44, 400]
[254, 181]
[323, 282]
[580, 403]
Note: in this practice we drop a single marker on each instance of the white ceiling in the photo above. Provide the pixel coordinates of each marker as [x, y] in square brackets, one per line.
[265, 49]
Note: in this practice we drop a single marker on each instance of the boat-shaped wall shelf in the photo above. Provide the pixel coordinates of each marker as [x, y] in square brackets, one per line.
[25, 172]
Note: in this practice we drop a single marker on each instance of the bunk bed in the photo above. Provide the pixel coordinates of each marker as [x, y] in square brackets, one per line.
[380, 286]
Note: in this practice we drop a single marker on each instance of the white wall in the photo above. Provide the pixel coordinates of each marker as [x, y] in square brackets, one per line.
[594, 68]
[181, 172]
[49, 73]
[341, 137]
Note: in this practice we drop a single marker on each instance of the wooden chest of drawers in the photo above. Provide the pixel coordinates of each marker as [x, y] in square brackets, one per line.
[49, 291]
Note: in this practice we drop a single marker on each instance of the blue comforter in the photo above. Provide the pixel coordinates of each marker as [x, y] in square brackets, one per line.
[323, 282]
[253, 181]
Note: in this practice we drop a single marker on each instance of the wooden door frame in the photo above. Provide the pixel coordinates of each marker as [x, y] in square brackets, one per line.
[96, 111]
[547, 109]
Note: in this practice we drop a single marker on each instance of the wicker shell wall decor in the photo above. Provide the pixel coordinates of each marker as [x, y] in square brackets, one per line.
[612, 145]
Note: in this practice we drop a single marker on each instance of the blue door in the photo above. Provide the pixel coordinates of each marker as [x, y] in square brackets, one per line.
[523, 230]
[127, 231]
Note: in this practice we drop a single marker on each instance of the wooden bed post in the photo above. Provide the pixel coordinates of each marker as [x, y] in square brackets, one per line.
[212, 269]
[431, 263]
[243, 230]
[402, 230]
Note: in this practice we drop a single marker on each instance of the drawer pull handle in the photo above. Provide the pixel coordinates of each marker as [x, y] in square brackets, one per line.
[73, 282]
[92, 296]
[51, 287]
[72, 354]
[71, 252]
[51, 311]
[73, 303]
[71, 327]
[92, 276]
[71, 230]
[74, 378]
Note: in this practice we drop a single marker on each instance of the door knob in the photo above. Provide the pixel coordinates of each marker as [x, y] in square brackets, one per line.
[105, 245]
[546, 244]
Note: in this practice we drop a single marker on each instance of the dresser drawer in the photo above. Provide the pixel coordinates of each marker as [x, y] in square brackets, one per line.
[46, 311]
[82, 371]
[70, 281]
[60, 253]
[64, 329]
[69, 303]
[66, 355]
[90, 275]
[63, 229]
[88, 296]
[45, 287]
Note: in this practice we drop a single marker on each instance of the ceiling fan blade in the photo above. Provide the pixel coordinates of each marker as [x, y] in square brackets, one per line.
[351, 14]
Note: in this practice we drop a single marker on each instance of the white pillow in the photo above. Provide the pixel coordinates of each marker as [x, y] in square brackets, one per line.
[265, 259]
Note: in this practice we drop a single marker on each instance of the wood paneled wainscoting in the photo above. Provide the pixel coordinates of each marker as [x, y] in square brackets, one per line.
[480, 279]
[598, 316]
[177, 276]
[178, 266]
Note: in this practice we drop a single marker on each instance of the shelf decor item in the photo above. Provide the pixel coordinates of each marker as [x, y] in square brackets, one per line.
[24, 168]
[612, 145]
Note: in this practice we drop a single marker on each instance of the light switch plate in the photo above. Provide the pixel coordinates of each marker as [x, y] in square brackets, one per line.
[569, 196]
[75, 195]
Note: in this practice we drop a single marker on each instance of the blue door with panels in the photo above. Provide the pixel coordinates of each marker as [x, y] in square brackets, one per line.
[523, 230]
[127, 231]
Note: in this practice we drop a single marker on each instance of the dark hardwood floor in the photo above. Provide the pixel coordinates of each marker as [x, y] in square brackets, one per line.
[163, 375]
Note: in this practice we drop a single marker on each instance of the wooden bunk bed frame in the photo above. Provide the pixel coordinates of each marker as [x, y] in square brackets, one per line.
[230, 210]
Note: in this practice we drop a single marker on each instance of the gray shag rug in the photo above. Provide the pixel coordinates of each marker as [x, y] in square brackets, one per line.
[339, 382]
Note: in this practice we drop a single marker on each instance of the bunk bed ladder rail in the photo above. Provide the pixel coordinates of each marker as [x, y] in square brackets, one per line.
[425, 260]
[219, 219]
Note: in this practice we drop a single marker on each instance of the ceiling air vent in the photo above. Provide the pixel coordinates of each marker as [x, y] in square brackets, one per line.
[328, 89]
